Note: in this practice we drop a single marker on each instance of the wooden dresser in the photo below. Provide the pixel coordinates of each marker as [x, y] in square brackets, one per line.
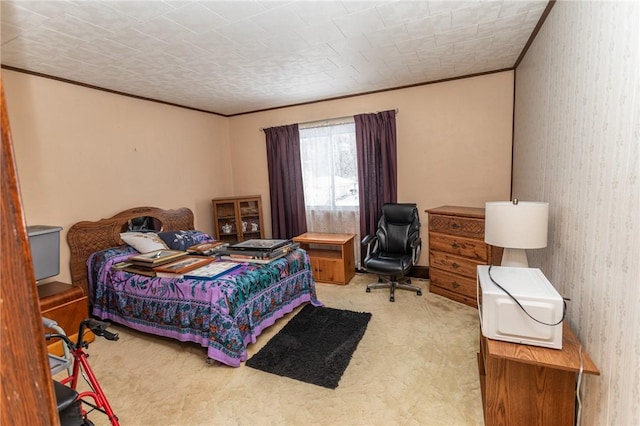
[456, 248]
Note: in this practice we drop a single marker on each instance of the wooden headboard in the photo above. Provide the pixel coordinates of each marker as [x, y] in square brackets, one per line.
[87, 237]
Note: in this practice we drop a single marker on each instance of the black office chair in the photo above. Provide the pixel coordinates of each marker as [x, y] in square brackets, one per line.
[394, 248]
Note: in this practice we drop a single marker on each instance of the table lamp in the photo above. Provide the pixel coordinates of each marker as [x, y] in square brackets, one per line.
[516, 226]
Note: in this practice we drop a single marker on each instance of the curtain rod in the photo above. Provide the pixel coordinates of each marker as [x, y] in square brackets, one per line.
[321, 121]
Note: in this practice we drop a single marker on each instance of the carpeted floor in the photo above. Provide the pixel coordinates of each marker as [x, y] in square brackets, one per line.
[415, 365]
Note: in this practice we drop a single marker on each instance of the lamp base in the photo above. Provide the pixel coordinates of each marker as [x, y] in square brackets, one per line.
[514, 257]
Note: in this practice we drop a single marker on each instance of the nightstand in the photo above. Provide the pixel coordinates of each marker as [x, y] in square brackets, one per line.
[68, 306]
[522, 384]
[333, 260]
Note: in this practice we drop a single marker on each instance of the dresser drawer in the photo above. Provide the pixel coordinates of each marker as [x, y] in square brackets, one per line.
[456, 283]
[461, 246]
[455, 264]
[464, 226]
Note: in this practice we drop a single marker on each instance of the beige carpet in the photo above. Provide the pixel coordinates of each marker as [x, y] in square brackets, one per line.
[415, 365]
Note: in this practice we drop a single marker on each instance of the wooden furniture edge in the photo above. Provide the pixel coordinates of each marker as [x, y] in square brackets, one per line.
[324, 238]
[87, 237]
[475, 212]
[567, 358]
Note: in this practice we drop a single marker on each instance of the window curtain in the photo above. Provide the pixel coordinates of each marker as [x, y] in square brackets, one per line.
[288, 217]
[377, 166]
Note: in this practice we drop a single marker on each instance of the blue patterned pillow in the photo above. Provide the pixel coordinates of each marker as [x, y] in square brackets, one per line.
[180, 240]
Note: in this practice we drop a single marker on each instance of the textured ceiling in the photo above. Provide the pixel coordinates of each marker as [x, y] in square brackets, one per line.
[231, 57]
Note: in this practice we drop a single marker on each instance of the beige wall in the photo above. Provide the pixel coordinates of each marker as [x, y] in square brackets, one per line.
[85, 154]
[577, 126]
[454, 141]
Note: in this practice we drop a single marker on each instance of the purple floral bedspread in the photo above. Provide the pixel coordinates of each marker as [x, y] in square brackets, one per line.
[223, 315]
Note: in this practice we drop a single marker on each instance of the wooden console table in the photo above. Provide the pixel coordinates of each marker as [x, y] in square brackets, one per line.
[530, 385]
[333, 262]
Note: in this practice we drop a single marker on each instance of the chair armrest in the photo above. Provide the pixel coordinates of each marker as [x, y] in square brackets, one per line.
[416, 243]
[371, 241]
[367, 239]
[416, 248]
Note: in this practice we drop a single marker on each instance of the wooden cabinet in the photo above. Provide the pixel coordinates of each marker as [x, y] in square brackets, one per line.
[331, 255]
[531, 385]
[237, 218]
[67, 305]
[456, 248]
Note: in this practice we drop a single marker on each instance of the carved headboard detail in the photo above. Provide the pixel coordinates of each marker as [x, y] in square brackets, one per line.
[87, 237]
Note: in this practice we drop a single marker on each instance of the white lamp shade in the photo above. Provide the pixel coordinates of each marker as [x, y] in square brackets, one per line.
[521, 225]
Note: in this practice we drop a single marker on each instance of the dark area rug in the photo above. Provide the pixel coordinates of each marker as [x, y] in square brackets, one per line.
[314, 347]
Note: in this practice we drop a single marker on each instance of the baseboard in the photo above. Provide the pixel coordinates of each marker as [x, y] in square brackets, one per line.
[418, 271]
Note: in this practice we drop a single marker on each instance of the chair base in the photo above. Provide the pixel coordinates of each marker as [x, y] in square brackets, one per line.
[392, 284]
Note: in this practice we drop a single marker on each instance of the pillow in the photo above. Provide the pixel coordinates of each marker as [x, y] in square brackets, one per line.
[144, 242]
[181, 240]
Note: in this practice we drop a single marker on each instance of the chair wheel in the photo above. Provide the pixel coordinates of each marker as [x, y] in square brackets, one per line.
[368, 290]
[419, 293]
[392, 299]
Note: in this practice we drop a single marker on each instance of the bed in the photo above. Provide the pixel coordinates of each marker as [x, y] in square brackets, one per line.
[223, 315]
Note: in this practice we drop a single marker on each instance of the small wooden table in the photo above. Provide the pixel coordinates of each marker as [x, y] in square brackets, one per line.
[524, 384]
[332, 258]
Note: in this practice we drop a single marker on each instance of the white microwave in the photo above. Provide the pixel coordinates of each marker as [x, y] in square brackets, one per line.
[502, 319]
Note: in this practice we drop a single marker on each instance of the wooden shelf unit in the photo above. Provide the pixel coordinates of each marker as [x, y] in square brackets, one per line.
[331, 255]
[237, 219]
[531, 385]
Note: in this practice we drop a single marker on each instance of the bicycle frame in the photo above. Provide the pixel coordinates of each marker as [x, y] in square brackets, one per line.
[100, 402]
[81, 367]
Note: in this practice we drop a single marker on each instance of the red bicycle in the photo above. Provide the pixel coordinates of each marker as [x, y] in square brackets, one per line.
[94, 399]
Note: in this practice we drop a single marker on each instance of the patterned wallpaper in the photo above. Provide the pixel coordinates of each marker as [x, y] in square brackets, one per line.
[576, 145]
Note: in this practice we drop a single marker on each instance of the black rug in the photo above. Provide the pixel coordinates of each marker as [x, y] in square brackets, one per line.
[314, 347]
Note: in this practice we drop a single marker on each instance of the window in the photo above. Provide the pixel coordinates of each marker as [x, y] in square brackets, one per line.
[329, 166]
[330, 178]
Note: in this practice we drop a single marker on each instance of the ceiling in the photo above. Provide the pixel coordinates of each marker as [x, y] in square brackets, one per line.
[233, 57]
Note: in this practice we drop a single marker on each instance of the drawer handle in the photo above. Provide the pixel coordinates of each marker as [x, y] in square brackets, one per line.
[455, 265]
[455, 225]
[455, 245]
[455, 284]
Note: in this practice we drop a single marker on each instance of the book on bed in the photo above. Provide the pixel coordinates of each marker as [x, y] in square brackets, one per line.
[184, 264]
[252, 259]
[212, 270]
[140, 270]
[259, 244]
[156, 258]
[207, 249]
[258, 254]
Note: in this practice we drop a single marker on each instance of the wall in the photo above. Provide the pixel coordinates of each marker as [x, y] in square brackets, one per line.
[577, 134]
[85, 154]
[454, 141]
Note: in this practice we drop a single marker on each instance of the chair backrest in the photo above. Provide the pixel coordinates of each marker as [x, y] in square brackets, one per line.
[398, 227]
